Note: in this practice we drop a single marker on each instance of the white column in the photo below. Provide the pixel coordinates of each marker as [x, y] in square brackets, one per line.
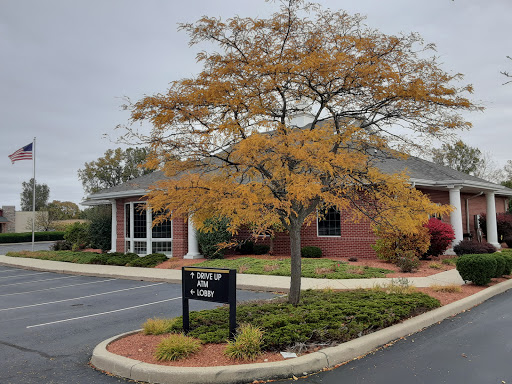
[113, 247]
[193, 245]
[492, 226]
[456, 214]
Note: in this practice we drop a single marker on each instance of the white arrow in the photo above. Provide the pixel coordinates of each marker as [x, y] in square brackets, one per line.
[192, 292]
[192, 274]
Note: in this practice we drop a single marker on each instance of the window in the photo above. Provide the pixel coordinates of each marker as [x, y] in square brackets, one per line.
[140, 237]
[329, 223]
[140, 226]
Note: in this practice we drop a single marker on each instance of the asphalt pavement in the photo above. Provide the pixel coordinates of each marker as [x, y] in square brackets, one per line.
[473, 347]
[51, 322]
[16, 247]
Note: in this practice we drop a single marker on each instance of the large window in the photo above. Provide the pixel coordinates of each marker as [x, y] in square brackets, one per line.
[140, 236]
[329, 222]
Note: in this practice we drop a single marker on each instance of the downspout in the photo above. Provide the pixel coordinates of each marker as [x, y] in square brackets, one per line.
[467, 210]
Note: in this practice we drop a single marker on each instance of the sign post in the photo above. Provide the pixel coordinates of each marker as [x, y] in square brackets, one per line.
[209, 284]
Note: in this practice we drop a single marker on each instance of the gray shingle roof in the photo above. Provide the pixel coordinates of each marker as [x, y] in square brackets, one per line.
[421, 173]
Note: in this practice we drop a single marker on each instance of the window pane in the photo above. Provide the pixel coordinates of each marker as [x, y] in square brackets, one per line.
[162, 230]
[127, 220]
[140, 247]
[330, 224]
[162, 247]
[139, 221]
[127, 247]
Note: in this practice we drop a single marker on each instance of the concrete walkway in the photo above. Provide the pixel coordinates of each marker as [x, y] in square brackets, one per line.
[244, 281]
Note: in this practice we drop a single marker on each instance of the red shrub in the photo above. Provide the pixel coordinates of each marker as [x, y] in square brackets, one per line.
[503, 222]
[441, 236]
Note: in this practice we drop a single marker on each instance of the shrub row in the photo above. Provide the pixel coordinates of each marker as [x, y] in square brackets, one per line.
[27, 237]
[481, 268]
[322, 317]
[128, 259]
[472, 247]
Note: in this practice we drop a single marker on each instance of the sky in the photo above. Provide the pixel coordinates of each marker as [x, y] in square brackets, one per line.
[65, 67]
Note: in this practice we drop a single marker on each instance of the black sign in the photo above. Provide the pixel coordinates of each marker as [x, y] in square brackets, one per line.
[209, 284]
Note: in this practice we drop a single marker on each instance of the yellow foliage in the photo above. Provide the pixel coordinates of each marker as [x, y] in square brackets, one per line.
[226, 140]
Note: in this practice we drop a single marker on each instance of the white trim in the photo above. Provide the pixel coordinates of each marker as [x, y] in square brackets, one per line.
[491, 222]
[192, 244]
[149, 240]
[456, 214]
[113, 237]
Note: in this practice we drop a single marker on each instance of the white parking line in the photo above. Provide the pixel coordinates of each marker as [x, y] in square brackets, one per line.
[38, 281]
[102, 313]
[78, 298]
[49, 289]
[26, 274]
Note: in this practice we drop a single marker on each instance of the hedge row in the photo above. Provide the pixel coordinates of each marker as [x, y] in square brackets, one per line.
[481, 268]
[27, 237]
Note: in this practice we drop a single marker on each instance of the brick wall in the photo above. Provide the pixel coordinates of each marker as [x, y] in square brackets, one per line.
[355, 240]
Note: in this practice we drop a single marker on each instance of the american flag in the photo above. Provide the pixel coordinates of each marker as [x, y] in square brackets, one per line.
[24, 153]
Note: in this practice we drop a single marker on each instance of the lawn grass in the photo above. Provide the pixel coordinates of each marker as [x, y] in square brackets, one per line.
[323, 317]
[115, 258]
[66, 256]
[316, 268]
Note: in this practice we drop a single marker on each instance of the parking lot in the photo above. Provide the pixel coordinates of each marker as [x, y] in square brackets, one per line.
[51, 322]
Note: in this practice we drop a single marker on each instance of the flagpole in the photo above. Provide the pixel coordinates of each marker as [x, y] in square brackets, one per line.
[34, 192]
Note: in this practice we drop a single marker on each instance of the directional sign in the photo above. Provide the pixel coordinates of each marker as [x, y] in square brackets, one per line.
[209, 284]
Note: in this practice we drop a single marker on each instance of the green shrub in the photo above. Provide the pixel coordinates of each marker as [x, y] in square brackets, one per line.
[311, 252]
[157, 326]
[261, 249]
[210, 239]
[148, 261]
[100, 227]
[408, 262]
[26, 237]
[177, 346]
[61, 245]
[247, 343]
[508, 263]
[322, 316]
[501, 264]
[246, 248]
[478, 268]
[78, 235]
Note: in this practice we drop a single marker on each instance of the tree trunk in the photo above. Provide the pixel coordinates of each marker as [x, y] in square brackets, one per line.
[296, 270]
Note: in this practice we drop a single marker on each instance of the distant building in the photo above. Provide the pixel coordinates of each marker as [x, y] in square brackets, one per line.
[7, 219]
[12, 221]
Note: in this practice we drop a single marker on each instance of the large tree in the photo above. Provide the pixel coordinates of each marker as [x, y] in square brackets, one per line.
[228, 145]
[115, 167]
[458, 156]
[27, 191]
[63, 210]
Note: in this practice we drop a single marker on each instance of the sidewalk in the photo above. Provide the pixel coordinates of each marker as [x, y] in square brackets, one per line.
[244, 281]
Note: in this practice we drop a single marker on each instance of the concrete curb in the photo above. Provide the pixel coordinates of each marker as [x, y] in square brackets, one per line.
[314, 362]
[244, 281]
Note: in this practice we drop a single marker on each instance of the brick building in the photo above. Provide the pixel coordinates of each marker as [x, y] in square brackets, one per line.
[469, 195]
